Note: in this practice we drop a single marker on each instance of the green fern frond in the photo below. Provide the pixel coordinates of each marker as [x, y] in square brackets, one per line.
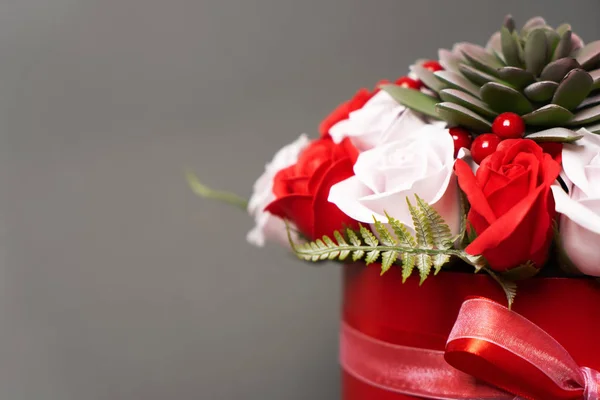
[421, 224]
[368, 237]
[509, 287]
[401, 231]
[429, 250]
[384, 235]
[440, 231]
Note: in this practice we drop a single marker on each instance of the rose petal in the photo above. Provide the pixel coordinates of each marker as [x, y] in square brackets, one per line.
[345, 195]
[585, 213]
[468, 184]
[295, 207]
[329, 217]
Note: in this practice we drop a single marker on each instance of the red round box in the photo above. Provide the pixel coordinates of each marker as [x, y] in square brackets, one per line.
[422, 316]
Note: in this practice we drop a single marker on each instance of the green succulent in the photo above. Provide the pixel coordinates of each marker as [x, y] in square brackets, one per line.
[545, 75]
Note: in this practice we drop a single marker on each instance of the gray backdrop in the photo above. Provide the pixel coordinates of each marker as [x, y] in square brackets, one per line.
[116, 282]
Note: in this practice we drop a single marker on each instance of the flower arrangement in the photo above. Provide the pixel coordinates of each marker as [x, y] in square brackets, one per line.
[485, 160]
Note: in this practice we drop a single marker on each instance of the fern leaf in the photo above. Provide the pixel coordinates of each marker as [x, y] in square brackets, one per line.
[387, 259]
[372, 256]
[509, 287]
[328, 242]
[439, 260]
[424, 264]
[440, 231]
[320, 244]
[340, 239]
[384, 235]
[408, 265]
[353, 238]
[402, 233]
[357, 255]
[342, 244]
[422, 228]
[368, 237]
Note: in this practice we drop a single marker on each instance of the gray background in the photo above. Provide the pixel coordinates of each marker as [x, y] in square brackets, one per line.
[115, 281]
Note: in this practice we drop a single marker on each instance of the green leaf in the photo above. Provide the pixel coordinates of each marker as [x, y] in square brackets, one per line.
[564, 47]
[510, 48]
[204, 191]
[552, 38]
[422, 227]
[573, 89]
[368, 237]
[439, 261]
[586, 116]
[457, 81]
[561, 135]
[344, 253]
[480, 59]
[549, 115]
[412, 99]
[589, 56]
[517, 77]
[353, 238]
[531, 24]
[384, 235]
[371, 257]
[540, 91]
[502, 98]
[476, 76]
[458, 115]
[509, 287]
[466, 100]
[449, 60]
[387, 259]
[589, 101]
[557, 70]
[441, 235]
[424, 264]
[408, 265]
[595, 74]
[427, 77]
[525, 271]
[402, 233]
[536, 51]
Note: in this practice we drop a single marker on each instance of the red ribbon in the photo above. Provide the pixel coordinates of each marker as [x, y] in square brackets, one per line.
[489, 343]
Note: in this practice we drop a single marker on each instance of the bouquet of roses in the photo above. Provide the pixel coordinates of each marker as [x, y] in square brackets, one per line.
[486, 159]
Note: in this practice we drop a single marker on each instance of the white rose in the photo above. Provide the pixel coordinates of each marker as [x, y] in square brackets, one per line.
[268, 226]
[381, 120]
[419, 163]
[580, 208]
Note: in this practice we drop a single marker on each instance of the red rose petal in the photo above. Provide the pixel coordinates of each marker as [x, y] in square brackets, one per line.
[468, 184]
[296, 208]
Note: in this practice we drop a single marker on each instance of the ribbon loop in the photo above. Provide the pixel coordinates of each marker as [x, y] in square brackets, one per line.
[488, 343]
[592, 384]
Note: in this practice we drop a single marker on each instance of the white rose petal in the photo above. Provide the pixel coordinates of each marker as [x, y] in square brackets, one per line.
[267, 226]
[421, 163]
[381, 120]
[580, 208]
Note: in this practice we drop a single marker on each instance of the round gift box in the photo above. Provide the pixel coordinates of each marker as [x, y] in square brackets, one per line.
[422, 316]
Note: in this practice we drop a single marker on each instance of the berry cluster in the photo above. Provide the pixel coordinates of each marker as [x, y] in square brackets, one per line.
[506, 125]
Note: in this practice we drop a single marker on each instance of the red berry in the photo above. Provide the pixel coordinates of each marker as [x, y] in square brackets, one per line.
[461, 138]
[432, 66]
[508, 126]
[483, 146]
[409, 83]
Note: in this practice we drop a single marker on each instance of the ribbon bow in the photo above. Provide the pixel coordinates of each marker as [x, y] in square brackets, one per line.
[491, 353]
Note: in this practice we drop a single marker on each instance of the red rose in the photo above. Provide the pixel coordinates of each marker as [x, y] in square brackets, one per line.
[302, 189]
[512, 208]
